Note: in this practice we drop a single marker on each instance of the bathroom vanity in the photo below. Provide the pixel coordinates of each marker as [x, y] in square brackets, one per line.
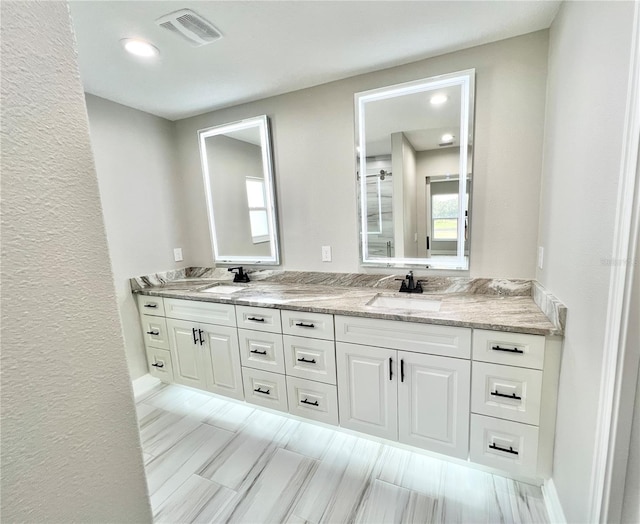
[471, 375]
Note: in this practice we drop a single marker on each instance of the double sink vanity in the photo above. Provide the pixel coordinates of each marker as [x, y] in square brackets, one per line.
[468, 369]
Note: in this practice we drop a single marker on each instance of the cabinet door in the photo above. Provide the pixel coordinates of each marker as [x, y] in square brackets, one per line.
[187, 353]
[222, 360]
[433, 403]
[367, 389]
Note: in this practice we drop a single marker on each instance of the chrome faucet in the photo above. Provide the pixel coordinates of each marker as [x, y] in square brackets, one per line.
[409, 285]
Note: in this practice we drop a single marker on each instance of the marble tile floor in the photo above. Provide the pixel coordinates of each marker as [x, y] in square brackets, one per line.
[212, 460]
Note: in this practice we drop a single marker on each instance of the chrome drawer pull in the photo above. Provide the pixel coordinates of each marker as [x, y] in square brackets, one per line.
[302, 324]
[259, 390]
[256, 319]
[302, 359]
[305, 401]
[151, 305]
[505, 450]
[513, 395]
[514, 350]
[153, 332]
[258, 352]
[158, 365]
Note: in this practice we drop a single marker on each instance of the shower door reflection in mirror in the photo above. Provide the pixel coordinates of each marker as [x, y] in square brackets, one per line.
[238, 178]
[414, 149]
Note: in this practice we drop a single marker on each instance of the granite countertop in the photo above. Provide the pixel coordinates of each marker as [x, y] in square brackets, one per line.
[500, 305]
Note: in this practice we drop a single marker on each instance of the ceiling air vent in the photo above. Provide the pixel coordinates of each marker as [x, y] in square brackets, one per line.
[190, 26]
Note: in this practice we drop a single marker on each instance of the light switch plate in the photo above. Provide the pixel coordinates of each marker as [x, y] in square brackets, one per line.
[177, 254]
[326, 253]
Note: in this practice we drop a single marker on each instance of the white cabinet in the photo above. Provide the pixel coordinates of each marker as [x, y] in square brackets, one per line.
[206, 356]
[367, 391]
[422, 400]
[265, 388]
[433, 403]
[160, 365]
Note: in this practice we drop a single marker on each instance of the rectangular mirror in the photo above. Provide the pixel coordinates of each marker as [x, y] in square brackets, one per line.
[239, 188]
[414, 144]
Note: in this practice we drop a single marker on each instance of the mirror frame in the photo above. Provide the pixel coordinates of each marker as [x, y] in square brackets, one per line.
[466, 80]
[262, 123]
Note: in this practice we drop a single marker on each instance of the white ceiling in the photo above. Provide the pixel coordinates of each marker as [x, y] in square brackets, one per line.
[274, 47]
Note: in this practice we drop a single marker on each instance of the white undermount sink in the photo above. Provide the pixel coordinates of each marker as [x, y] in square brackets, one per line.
[222, 289]
[411, 303]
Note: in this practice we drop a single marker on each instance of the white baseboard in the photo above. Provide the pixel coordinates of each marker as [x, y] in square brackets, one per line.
[143, 384]
[552, 503]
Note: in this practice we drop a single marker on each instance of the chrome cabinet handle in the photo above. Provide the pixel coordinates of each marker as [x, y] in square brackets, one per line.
[508, 350]
[302, 324]
[259, 390]
[305, 401]
[504, 450]
[302, 359]
[153, 332]
[496, 393]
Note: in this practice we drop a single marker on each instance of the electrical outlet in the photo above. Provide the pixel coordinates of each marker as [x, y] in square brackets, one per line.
[177, 254]
[326, 253]
[540, 257]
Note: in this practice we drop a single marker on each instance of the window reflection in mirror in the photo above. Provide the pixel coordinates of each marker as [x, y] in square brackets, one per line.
[238, 177]
[413, 141]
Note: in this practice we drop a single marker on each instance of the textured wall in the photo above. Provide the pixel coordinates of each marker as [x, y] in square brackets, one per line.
[70, 445]
[313, 134]
[141, 201]
[589, 50]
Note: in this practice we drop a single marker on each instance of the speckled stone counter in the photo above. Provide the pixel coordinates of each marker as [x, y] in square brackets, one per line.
[497, 304]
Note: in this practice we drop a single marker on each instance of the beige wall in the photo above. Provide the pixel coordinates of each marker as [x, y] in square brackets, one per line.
[141, 202]
[586, 95]
[313, 134]
[70, 444]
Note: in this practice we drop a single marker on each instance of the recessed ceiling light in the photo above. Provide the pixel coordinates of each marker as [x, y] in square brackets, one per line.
[447, 138]
[139, 47]
[436, 100]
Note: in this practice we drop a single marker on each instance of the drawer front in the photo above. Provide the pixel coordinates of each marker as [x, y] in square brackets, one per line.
[310, 358]
[313, 400]
[160, 365]
[195, 311]
[265, 389]
[314, 325]
[260, 350]
[512, 349]
[506, 392]
[154, 331]
[410, 336]
[151, 305]
[504, 445]
[260, 318]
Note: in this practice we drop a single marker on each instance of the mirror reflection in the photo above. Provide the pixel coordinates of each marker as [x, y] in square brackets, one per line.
[414, 145]
[238, 177]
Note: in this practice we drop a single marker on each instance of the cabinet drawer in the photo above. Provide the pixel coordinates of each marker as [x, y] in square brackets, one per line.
[512, 349]
[260, 350]
[313, 400]
[265, 389]
[151, 305]
[154, 331]
[314, 325]
[310, 358]
[160, 365]
[410, 336]
[260, 318]
[195, 311]
[506, 392]
[504, 445]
